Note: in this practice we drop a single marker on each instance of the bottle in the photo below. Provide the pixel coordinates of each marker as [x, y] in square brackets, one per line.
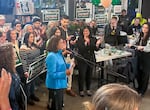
[68, 59]
[113, 32]
[134, 32]
[77, 35]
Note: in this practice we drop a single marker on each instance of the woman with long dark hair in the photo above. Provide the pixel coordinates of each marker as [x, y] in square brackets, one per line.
[7, 61]
[12, 38]
[29, 46]
[28, 42]
[86, 45]
[143, 58]
[143, 47]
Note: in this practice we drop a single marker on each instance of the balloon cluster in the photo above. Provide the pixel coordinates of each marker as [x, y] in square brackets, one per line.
[106, 3]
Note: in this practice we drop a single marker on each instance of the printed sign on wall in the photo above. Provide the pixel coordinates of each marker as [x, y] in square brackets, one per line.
[82, 13]
[24, 7]
[50, 15]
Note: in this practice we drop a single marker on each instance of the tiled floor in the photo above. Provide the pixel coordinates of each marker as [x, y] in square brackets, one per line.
[146, 101]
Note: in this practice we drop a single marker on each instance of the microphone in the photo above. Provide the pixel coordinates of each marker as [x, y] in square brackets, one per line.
[72, 51]
[69, 49]
[81, 57]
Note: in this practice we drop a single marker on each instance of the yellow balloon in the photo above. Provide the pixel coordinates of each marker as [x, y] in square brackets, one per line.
[106, 3]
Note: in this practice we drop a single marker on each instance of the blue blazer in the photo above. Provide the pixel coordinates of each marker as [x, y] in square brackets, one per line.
[56, 77]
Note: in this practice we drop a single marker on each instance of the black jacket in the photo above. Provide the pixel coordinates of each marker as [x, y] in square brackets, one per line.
[86, 51]
[124, 22]
[132, 29]
[143, 57]
[111, 38]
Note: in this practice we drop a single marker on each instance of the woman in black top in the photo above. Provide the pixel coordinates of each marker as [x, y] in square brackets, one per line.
[143, 59]
[143, 55]
[29, 52]
[86, 45]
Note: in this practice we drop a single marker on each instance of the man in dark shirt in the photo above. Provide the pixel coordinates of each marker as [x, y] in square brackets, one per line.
[112, 32]
[123, 20]
[93, 27]
[134, 28]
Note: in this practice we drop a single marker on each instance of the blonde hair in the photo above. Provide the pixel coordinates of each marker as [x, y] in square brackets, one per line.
[115, 97]
[51, 22]
[25, 29]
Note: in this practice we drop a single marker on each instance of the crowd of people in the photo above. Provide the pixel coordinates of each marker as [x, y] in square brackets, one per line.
[69, 45]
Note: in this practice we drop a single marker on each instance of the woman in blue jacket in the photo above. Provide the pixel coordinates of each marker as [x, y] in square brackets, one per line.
[57, 71]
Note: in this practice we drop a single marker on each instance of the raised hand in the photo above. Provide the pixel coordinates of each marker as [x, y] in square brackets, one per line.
[5, 82]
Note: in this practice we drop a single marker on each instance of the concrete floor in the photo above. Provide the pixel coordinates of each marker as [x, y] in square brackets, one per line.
[75, 103]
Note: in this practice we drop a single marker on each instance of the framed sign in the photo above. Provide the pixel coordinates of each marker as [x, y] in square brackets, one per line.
[117, 9]
[100, 15]
[100, 19]
[50, 15]
[36, 68]
[82, 13]
[33, 63]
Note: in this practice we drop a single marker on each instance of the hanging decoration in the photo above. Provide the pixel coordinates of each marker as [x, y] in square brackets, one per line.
[106, 3]
[116, 2]
[96, 2]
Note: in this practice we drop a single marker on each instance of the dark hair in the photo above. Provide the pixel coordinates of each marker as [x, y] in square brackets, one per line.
[53, 31]
[123, 10]
[148, 34]
[137, 18]
[86, 27]
[8, 34]
[6, 57]
[26, 37]
[53, 43]
[114, 17]
[64, 17]
[35, 19]
[15, 23]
